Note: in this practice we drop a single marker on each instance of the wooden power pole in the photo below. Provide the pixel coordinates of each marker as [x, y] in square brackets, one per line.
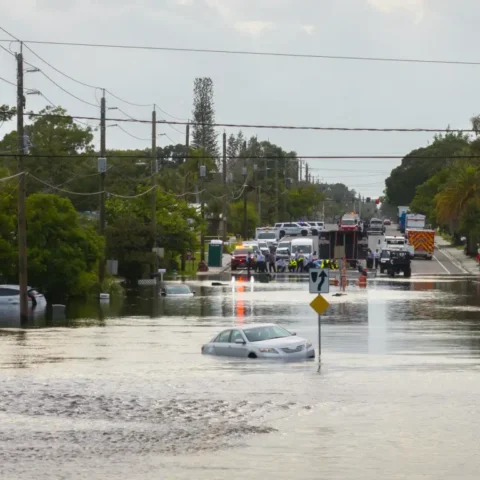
[224, 175]
[22, 194]
[153, 172]
[102, 169]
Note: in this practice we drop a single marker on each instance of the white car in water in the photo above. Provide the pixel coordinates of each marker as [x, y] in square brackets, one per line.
[181, 290]
[265, 340]
[10, 295]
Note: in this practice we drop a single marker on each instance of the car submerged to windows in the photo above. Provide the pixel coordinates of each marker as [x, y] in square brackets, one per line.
[177, 291]
[259, 341]
[10, 295]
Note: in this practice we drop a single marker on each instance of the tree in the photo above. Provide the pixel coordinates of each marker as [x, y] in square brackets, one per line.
[62, 254]
[8, 228]
[49, 137]
[458, 203]
[235, 223]
[7, 113]
[204, 136]
[130, 237]
[303, 201]
[414, 171]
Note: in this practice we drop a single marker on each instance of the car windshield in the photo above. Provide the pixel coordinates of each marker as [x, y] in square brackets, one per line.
[386, 254]
[375, 222]
[348, 222]
[303, 248]
[283, 245]
[266, 333]
[266, 236]
[395, 242]
[262, 245]
[178, 289]
[241, 251]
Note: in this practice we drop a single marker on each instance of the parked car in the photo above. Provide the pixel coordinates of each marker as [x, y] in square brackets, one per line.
[239, 257]
[10, 295]
[292, 229]
[387, 221]
[259, 341]
[177, 290]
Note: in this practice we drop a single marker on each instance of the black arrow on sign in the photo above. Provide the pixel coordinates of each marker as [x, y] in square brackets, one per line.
[323, 276]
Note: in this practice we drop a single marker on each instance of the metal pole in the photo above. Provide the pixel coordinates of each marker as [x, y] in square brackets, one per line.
[154, 171]
[319, 338]
[103, 129]
[22, 194]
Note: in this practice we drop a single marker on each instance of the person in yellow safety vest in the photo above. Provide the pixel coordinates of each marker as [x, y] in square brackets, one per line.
[326, 264]
[292, 266]
[334, 265]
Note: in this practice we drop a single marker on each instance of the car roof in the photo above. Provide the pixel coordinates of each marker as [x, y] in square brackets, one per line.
[250, 326]
[16, 287]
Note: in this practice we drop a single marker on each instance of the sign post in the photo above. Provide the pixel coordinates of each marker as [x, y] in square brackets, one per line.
[319, 282]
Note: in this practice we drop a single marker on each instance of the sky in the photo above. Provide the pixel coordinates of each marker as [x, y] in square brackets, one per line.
[259, 89]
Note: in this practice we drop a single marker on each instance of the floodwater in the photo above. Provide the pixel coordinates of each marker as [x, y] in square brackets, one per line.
[121, 391]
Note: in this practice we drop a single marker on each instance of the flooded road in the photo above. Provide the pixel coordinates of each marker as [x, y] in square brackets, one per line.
[121, 390]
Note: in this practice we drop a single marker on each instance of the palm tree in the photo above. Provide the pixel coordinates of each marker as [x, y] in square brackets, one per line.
[454, 203]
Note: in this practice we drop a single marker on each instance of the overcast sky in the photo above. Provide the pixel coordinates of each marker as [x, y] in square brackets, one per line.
[263, 90]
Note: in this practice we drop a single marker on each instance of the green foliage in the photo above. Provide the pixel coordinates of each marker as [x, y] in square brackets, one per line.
[235, 223]
[303, 201]
[7, 113]
[62, 255]
[204, 135]
[130, 235]
[413, 171]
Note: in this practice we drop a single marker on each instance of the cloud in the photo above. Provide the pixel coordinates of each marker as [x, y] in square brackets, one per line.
[414, 7]
[253, 27]
[309, 29]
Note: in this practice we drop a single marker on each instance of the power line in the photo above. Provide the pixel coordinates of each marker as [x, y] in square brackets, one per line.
[260, 157]
[59, 71]
[280, 127]
[254, 53]
[8, 81]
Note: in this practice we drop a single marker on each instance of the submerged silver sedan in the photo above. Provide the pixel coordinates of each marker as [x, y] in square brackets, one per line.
[265, 340]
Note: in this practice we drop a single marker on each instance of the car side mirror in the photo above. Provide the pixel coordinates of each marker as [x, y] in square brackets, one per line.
[239, 341]
[163, 293]
[194, 292]
[294, 333]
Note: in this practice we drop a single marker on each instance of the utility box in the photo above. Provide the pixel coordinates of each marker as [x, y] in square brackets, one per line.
[215, 253]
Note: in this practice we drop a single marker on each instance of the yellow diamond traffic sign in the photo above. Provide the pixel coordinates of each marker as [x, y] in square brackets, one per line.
[319, 304]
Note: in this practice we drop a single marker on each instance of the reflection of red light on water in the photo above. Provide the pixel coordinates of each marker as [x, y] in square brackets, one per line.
[240, 305]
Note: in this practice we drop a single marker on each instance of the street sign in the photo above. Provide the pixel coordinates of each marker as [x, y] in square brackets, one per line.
[319, 304]
[319, 280]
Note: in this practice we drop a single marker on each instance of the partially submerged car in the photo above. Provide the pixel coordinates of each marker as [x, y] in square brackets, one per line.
[266, 340]
[181, 290]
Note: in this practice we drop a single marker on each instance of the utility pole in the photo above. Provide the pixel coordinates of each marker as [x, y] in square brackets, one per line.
[154, 171]
[22, 194]
[285, 190]
[224, 175]
[306, 172]
[245, 175]
[102, 168]
[187, 153]
[276, 190]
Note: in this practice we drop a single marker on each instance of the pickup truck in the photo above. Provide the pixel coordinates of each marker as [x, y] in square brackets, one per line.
[376, 227]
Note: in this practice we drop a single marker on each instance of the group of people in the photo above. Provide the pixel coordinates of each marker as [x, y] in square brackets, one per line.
[263, 263]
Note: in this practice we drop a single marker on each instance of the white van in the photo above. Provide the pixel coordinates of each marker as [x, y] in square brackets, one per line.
[303, 244]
